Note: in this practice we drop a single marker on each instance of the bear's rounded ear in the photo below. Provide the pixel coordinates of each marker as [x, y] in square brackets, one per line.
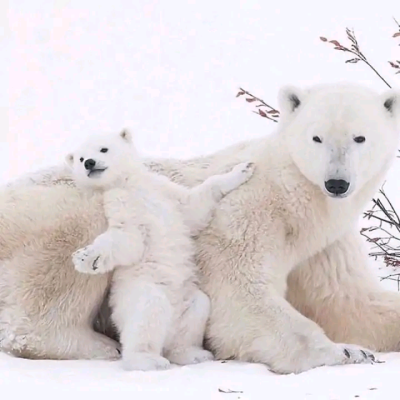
[391, 102]
[290, 99]
[126, 135]
[69, 159]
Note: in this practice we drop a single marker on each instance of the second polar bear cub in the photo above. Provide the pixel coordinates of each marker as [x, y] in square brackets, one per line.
[157, 306]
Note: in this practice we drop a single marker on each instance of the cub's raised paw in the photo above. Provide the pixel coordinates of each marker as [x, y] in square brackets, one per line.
[243, 172]
[90, 260]
[239, 174]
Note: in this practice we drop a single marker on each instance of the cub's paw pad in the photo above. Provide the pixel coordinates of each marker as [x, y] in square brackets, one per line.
[88, 260]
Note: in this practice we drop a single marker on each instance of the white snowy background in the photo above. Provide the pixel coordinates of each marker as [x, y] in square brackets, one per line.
[171, 70]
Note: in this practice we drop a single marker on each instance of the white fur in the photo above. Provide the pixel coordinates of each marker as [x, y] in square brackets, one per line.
[282, 262]
[156, 304]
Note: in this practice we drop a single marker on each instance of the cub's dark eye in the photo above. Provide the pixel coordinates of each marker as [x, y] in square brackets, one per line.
[359, 139]
[81, 159]
[317, 139]
[104, 150]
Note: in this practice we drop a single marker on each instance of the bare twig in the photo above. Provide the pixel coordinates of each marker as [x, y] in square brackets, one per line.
[396, 64]
[398, 25]
[270, 113]
[384, 213]
[229, 391]
[356, 51]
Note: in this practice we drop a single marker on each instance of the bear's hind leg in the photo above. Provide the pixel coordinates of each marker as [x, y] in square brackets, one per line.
[142, 313]
[63, 344]
[338, 291]
[186, 343]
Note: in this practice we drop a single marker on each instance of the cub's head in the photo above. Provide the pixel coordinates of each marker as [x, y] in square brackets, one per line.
[102, 160]
[341, 137]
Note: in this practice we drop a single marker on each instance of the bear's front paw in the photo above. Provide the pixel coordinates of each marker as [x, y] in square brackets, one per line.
[89, 260]
[353, 354]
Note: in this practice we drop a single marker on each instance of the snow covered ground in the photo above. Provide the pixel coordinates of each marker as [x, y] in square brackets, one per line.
[171, 69]
[73, 379]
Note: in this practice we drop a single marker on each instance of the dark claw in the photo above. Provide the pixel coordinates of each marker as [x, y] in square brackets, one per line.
[364, 354]
[368, 356]
[94, 264]
[372, 357]
[346, 353]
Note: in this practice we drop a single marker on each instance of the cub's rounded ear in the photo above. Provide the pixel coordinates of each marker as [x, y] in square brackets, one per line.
[69, 159]
[126, 134]
[391, 102]
[290, 99]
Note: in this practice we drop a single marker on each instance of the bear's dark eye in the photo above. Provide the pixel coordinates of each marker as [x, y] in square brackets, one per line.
[104, 150]
[81, 159]
[359, 139]
[317, 139]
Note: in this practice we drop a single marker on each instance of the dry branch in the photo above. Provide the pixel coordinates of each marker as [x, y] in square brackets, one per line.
[387, 225]
[384, 235]
[355, 50]
[396, 64]
[270, 112]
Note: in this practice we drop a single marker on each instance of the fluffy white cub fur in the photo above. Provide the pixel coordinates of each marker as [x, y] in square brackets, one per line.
[157, 306]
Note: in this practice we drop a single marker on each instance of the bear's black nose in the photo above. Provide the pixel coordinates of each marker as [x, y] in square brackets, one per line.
[337, 186]
[89, 164]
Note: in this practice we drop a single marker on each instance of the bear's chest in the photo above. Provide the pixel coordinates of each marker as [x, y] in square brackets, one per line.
[319, 225]
[263, 220]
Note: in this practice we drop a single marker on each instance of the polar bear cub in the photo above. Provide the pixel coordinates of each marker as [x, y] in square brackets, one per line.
[157, 307]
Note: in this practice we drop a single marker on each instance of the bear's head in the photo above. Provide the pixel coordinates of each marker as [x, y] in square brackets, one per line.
[340, 136]
[103, 160]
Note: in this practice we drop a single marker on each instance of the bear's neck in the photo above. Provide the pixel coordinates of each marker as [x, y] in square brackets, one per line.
[307, 211]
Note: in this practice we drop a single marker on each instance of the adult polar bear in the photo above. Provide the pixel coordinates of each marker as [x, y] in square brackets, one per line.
[291, 231]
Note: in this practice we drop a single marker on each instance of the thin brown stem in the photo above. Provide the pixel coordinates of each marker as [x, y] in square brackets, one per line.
[271, 113]
[377, 73]
[356, 51]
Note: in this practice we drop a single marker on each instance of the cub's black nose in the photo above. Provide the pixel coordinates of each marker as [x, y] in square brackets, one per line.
[89, 164]
[337, 186]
